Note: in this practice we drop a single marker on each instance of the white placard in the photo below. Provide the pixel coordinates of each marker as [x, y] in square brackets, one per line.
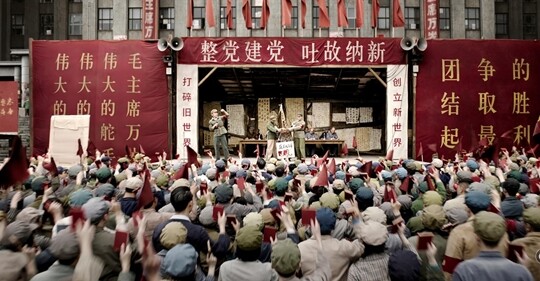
[65, 131]
[187, 108]
[285, 149]
[321, 114]
[236, 124]
[352, 115]
[366, 114]
[338, 117]
[396, 110]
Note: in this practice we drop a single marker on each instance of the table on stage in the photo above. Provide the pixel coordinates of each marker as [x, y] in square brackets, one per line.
[243, 143]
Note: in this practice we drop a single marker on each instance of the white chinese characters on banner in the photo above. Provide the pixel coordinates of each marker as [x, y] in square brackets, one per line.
[187, 110]
[396, 111]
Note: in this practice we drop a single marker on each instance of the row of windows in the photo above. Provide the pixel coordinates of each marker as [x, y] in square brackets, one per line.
[167, 18]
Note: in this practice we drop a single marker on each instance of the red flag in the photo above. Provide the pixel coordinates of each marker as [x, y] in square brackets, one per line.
[286, 12]
[210, 13]
[366, 168]
[182, 173]
[332, 166]
[354, 143]
[375, 7]
[16, 169]
[189, 21]
[51, 167]
[246, 11]
[359, 13]
[303, 8]
[322, 178]
[430, 184]
[323, 159]
[420, 151]
[324, 20]
[265, 14]
[141, 150]
[91, 149]
[192, 157]
[342, 14]
[398, 20]
[390, 155]
[228, 11]
[80, 150]
[405, 184]
[344, 150]
[536, 132]
[147, 196]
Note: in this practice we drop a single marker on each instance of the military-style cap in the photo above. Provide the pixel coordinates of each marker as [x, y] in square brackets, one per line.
[489, 226]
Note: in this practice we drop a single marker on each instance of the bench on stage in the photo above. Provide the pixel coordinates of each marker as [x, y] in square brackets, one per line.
[243, 143]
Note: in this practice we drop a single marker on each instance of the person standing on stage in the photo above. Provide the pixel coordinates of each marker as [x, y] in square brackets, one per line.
[298, 127]
[220, 132]
[272, 131]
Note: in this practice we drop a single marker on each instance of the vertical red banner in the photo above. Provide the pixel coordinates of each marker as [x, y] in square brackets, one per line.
[9, 111]
[150, 19]
[122, 85]
[431, 16]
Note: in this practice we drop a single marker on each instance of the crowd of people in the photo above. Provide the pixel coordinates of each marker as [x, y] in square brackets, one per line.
[232, 219]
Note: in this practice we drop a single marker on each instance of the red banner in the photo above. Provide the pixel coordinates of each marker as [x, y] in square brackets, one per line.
[150, 19]
[121, 84]
[431, 14]
[9, 111]
[298, 52]
[488, 92]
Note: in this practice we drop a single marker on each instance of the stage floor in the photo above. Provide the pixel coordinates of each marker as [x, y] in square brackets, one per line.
[338, 159]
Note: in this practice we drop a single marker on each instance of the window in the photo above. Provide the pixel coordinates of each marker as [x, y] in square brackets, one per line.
[256, 13]
[166, 17]
[105, 20]
[75, 24]
[529, 26]
[501, 24]
[17, 24]
[223, 17]
[46, 24]
[384, 18]
[351, 17]
[444, 18]
[76, 1]
[412, 18]
[199, 14]
[46, 1]
[316, 15]
[472, 18]
[134, 18]
[294, 17]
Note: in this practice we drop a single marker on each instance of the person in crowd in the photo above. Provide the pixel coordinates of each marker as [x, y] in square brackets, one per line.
[311, 135]
[490, 264]
[330, 135]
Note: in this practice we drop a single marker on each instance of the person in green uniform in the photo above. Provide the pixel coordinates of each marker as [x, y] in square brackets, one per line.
[298, 127]
[220, 132]
[272, 131]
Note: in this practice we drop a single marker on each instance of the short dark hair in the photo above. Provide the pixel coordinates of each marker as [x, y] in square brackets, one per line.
[261, 163]
[511, 186]
[280, 171]
[245, 255]
[180, 198]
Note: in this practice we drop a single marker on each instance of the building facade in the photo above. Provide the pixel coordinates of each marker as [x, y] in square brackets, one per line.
[122, 19]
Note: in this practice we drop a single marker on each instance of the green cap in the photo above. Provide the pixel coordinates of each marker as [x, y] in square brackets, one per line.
[329, 200]
[433, 217]
[285, 257]
[162, 180]
[249, 238]
[532, 217]
[281, 185]
[103, 173]
[489, 226]
[432, 198]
